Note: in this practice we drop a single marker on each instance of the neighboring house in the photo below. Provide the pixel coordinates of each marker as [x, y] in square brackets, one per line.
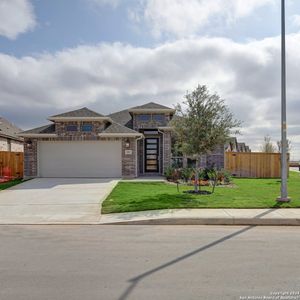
[84, 143]
[9, 140]
[217, 157]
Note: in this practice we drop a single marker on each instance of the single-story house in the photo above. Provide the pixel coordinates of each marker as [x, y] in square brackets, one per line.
[9, 139]
[85, 143]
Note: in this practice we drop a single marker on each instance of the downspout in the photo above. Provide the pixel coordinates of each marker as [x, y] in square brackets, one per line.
[136, 154]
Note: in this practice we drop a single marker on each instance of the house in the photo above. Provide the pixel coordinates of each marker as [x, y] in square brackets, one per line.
[9, 140]
[217, 157]
[84, 143]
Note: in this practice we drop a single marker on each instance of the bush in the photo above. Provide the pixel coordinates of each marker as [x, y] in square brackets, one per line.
[172, 174]
[219, 177]
[186, 174]
[227, 178]
[169, 172]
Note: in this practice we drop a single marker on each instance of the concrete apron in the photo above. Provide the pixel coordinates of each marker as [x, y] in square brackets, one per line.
[49, 201]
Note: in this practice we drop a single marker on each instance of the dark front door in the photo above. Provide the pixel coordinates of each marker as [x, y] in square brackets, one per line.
[151, 155]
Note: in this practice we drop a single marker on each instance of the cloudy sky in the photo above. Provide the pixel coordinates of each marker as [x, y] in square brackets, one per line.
[58, 55]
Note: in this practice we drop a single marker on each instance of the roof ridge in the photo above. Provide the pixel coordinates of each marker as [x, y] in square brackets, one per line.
[151, 105]
[80, 112]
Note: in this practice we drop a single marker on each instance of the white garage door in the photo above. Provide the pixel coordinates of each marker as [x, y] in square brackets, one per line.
[80, 159]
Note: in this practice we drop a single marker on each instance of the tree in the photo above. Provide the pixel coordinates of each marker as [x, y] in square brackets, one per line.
[268, 145]
[202, 124]
[289, 146]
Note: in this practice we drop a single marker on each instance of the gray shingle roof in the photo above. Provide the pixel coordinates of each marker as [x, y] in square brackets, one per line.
[150, 105]
[118, 128]
[8, 129]
[79, 113]
[50, 128]
[122, 117]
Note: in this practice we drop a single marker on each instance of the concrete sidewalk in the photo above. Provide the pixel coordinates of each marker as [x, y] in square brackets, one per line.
[289, 216]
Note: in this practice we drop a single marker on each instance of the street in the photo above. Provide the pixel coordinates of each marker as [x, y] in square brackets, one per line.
[147, 262]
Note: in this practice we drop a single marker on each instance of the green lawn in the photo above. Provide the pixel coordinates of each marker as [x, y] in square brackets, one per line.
[9, 184]
[248, 193]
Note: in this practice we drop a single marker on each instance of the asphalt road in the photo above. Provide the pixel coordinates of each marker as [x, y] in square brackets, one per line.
[148, 262]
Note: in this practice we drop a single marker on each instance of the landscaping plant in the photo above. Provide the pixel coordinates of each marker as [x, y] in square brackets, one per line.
[202, 123]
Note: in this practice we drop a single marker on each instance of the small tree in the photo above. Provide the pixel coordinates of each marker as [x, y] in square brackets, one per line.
[289, 146]
[268, 145]
[204, 123]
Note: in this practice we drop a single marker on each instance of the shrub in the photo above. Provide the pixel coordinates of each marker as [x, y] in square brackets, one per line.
[186, 174]
[172, 174]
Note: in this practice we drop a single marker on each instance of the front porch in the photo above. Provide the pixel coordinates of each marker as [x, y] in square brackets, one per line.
[154, 153]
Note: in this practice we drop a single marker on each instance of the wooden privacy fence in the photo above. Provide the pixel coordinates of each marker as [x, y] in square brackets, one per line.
[253, 164]
[11, 164]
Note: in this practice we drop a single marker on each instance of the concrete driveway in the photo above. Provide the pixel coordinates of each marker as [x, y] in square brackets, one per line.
[55, 201]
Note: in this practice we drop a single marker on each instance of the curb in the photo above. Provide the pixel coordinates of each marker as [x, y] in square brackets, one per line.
[212, 221]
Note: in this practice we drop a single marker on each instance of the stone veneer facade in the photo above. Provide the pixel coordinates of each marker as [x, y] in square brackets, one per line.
[129, 167]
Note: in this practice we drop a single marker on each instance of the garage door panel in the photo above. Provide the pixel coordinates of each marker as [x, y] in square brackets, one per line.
[80, 159]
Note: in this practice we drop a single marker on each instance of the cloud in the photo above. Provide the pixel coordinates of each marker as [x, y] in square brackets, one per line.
[181, 18]
[16, 17]
[112, 3]
[110, 77]
[296, 20]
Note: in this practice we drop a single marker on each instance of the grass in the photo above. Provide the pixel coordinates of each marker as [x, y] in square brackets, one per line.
[9, 184]
[247, 193]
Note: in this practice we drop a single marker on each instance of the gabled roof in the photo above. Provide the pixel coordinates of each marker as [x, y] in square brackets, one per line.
[9, 130]
[122, 117]
[82, 113]
[46, 129]
[150, 105]
[113, 129]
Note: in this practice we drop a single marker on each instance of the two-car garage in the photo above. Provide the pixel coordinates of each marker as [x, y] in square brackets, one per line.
[79, 158]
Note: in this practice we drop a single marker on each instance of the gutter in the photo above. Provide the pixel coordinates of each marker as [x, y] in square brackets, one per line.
[121, 135]
[37, 135]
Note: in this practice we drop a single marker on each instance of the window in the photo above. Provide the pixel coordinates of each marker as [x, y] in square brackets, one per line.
[87, 127]
[158, 118]
[71, 128]
[144, 118]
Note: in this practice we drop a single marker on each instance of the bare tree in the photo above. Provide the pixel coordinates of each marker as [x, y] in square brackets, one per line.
[268, 145]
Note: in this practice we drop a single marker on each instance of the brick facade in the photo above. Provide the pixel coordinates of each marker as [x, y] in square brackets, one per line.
[129, 159]
[61, 130]
[7, 144]
[215, 159]
[30, 158]
[164, 139]
[152, 123]
[31, 147]
[133, 150]
[167, 154]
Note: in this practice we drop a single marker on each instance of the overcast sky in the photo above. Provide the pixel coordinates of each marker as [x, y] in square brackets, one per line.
[59, 55]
